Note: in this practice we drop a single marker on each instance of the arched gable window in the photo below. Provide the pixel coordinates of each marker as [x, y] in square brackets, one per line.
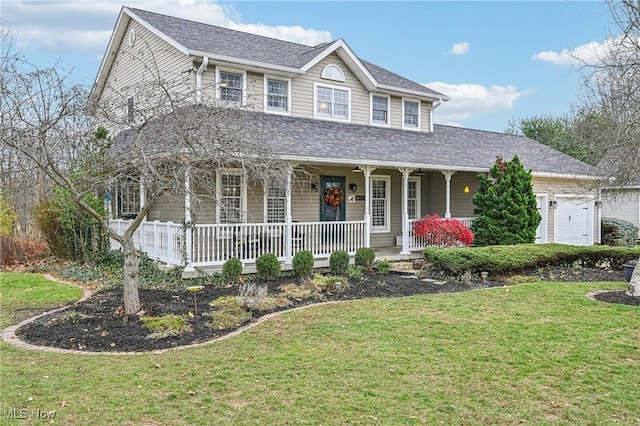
[332, 72]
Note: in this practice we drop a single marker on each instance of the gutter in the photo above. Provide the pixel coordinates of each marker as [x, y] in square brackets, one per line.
[203, 67]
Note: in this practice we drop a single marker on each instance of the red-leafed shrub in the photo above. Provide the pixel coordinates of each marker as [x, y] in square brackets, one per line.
[21, 250]
[440, 232]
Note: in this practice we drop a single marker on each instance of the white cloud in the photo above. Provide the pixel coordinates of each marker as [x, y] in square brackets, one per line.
[589, 53]
[469, 100]
[460, 48]
[85, 26]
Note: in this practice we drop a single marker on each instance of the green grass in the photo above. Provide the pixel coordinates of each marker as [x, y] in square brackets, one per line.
[23, 294]
[536, 354]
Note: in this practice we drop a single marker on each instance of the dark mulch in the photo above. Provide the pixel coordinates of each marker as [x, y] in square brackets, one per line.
[98, 324]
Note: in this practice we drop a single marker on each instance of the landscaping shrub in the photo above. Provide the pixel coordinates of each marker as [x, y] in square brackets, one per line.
[365, 257]
[383, 266]
[8, 217]
[339, 262]
[303, 264]
[618, 232]
[506, 206]
[21, 250]
[268, 266]
[440, 232]
[500, 260]
[355, 272]
[231, 270]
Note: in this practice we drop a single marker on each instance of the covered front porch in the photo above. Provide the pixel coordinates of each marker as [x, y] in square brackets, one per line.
[377, 209]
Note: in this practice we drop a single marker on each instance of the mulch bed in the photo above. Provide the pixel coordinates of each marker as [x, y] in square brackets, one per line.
[98, 324]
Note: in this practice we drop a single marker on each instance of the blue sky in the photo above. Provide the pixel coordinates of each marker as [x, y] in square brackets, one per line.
[498, 61]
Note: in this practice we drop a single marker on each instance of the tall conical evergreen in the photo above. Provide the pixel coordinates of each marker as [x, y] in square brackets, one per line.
[506, 207]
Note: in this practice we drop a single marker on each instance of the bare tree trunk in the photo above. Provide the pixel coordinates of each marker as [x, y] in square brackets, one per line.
[130, 278]
[634, 284]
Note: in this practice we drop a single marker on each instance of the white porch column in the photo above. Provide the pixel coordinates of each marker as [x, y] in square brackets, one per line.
[367, 204]
[447, 177]
[405, 209]
[188, 225]
[288, 238]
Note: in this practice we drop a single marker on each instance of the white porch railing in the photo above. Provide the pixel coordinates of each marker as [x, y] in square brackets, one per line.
[417, 243]
[162, 241]
[214, 244]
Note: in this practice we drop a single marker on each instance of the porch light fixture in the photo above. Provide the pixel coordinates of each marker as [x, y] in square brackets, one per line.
[353, 187]
[553, 204]
[598, 204]
[314, 187]
[466, 189]
[356, 169]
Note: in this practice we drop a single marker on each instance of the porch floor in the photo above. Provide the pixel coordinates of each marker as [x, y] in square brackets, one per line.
[391, 253]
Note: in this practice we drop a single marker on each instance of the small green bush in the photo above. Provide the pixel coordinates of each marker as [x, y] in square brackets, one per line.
[268, 266]
[355, 272]
[383, 266]
[231, 270]
[339, 262]
[303, 264]
[365, 257]
[618, 232]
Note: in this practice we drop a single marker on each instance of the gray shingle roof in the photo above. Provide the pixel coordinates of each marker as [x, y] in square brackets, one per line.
[453, 148]
[196, 36]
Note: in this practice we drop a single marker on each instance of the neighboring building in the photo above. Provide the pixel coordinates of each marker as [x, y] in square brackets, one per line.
[351, 124]
[623, 204]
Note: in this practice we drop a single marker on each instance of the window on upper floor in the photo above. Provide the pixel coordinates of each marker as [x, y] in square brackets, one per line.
[231, 85]
[410, 114]
[379, 109]
[332, 102]
[277, 95]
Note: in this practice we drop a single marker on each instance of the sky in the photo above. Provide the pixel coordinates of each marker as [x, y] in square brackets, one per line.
[499, 62]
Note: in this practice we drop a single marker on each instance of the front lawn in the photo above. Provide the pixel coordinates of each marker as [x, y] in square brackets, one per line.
[536, 354]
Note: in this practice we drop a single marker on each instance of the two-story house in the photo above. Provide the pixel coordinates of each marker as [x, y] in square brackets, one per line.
[364, 133]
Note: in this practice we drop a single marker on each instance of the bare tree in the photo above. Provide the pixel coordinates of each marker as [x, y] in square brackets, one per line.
[167, 144]
[607, 119]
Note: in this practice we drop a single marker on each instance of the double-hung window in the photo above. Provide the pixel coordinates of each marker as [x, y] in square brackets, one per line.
[380, 203]
[231, 193]
[129, 198]
[379, 110]
[275, 203]
[277, 95]
[410, 114]
[231, 87]
[332, 102]
[413, 198]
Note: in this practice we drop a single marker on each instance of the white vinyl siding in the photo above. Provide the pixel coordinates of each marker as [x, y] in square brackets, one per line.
[380, 108]
[410, 114]
[380, 203]
[277, 95]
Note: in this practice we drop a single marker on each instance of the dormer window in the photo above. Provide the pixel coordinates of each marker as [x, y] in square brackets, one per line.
[332, 102]
[410, 114]
[333, 72]
[277, 95]
[380, 110]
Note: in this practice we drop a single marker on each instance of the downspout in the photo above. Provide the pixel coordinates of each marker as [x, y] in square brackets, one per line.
[203, 67]
[433, 106]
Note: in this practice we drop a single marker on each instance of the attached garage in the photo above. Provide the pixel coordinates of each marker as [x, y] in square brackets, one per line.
[541, 232]
[573, 220]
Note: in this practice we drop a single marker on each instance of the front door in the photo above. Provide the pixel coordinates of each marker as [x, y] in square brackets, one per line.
[332, 198]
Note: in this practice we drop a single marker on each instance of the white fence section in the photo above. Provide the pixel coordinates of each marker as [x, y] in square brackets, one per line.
[162, 241]
[417, 243]
[214, 244]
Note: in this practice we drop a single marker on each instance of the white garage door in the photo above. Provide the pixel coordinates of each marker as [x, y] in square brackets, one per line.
[573, 223]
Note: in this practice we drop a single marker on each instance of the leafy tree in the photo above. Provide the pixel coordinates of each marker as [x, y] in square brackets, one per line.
[506, 206]
[557, 133]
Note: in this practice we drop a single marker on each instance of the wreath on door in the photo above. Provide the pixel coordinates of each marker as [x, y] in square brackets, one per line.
[334, 196]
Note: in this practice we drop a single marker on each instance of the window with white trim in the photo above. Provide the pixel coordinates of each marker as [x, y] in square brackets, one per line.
[277, 92]
[275, 203]
[231, 87]
[380, 203]
[231, 197]
[332, 102]
[379, 109]
[410, 114]
[413, 198]
[129, 198]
